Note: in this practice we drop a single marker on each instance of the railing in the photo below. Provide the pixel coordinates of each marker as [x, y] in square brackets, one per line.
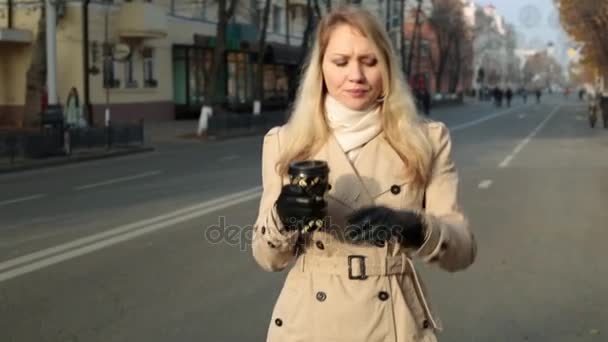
[49, 142]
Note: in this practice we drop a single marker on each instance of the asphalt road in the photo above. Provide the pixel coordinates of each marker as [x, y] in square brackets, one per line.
[119, 250]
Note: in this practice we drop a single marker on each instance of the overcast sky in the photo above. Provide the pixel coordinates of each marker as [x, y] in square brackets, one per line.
[537, 21]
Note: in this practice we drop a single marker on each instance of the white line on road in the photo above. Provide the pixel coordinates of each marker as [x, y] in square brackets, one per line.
[505, 163]
[480, 120]
[53, 255]
[22, 199]
[521, 116]
[485, 184]
[118, 180]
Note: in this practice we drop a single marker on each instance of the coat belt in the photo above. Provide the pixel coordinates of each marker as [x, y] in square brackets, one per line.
[359, 267]
[356, 267]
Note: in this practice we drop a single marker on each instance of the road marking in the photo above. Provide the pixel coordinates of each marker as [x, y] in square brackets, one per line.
[117, 180]
[505, 163]
[22, 199]
[485, 184]
[521, 116]
[53, 255]
[480, 120]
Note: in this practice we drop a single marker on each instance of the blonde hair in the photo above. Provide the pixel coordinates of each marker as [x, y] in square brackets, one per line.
[307, 128]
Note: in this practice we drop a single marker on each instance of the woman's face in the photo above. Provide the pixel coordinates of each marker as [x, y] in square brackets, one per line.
[351, 68]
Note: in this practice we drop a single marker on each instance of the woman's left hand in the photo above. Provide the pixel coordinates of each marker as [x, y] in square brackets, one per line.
[378, 224]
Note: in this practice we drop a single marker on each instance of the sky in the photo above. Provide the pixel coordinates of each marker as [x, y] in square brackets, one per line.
[536, 21]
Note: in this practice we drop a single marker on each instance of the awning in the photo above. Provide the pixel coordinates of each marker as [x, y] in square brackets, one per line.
[277, 53]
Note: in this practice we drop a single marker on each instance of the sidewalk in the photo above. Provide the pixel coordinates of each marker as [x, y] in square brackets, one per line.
[22, 164]
[155, 133]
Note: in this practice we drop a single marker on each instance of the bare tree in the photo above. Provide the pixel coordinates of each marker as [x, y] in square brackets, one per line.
[402, 36]
[259, 89]
[450, 32]
[36, 74]
[214, 94]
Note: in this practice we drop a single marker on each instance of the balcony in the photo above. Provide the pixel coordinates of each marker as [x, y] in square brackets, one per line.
[142, 20]
[16, 36]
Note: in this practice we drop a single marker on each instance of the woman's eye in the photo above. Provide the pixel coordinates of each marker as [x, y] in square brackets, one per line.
[340, 63]
[370, 62]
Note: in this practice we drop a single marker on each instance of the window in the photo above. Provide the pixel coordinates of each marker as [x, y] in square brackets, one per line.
[130, 81]
[424, 48]
[275, 82]
[276, 19]
[200, 63]
[148, 64]
[240, 77]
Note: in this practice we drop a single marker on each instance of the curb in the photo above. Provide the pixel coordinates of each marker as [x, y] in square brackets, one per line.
[72, 160]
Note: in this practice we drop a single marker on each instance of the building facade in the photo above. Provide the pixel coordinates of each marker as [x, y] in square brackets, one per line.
[170, 46]
[165, 52]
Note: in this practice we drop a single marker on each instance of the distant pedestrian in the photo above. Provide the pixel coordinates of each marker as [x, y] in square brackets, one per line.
[539, 94]
[425, 98]
[509, 96]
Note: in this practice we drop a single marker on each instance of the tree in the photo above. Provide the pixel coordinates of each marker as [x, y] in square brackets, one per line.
[36, 73]
[225, 11]
[259, 89]
[450, 32]
[585, 21]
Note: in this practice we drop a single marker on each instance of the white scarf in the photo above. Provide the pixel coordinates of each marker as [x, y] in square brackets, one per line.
[352, 128]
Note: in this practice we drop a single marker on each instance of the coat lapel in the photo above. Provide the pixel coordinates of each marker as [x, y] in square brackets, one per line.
[377, 168]
[380, 167]
[346, 185]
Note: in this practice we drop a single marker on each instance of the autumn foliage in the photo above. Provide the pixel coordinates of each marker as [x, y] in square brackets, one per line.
[586, 21]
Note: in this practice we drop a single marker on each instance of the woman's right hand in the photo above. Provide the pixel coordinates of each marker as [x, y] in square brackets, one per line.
[296, 208]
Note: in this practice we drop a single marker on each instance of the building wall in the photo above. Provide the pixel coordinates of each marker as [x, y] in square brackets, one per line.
[14, 63]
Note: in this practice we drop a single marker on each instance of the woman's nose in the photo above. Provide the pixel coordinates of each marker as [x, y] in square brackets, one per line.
[355, 73]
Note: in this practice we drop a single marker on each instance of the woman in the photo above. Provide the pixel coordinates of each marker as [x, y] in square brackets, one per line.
[353, 279]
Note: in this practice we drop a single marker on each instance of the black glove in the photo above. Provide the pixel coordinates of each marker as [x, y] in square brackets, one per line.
[297, 209]
[377, 225]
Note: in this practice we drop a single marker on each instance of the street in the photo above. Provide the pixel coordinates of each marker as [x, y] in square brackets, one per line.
[121, 250]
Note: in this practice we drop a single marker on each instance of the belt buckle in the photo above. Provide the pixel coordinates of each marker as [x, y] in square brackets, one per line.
[362, 276]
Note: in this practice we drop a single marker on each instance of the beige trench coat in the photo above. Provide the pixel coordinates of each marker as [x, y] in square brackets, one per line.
[336, 291]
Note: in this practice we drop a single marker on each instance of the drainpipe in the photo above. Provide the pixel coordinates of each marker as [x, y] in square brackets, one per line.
[51, 52]
[86, 105]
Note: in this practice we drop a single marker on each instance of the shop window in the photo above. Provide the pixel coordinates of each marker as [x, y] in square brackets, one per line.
[199, 66]
[275, 82]
[240, 77]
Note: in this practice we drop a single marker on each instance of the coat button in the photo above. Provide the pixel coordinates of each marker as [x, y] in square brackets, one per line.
[321, 296]
[271, 245]
[278, 322]
[263, 230]
[328, 187]
[444, 246]
[383, 295]
[320, 245]
[426, 324]
[395, 189]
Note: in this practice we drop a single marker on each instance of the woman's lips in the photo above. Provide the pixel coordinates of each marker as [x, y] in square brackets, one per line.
[357, 93]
